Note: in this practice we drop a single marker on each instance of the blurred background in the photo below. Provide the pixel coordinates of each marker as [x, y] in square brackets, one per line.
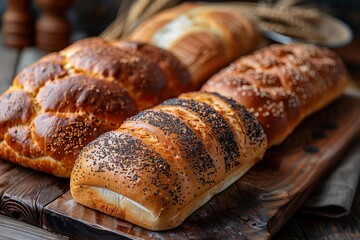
[91, 17]
[60, 22]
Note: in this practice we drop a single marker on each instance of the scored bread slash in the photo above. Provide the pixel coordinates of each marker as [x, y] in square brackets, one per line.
[158, 167]
[282, 84]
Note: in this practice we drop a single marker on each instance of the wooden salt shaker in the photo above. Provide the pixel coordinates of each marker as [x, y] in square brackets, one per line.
[18, 22]
[53, 31]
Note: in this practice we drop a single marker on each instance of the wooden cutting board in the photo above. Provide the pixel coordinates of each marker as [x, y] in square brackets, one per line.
[255, 207]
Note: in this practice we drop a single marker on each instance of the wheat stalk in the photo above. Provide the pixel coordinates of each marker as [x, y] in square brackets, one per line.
[135, 13]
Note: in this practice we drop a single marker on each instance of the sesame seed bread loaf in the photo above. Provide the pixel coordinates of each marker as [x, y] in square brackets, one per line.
[65, 100]
[204, 37]
[282, 84]
[164, 163]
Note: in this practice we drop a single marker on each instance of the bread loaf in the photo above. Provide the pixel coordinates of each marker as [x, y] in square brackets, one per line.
[59, 104]
[66, 99]
[164, 163]
[282, 84]
[204, 37]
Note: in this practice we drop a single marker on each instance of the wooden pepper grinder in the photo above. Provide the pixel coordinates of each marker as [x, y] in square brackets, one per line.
[53, 31]
[18, 22]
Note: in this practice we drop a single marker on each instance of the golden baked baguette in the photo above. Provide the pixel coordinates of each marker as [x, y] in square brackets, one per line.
[65, 100]
[282, 84]
[164, 163]
[204, 37]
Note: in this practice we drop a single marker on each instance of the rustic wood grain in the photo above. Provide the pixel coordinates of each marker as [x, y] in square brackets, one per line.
[11, 229]
[67, 217]
[26, 197]
[291, 230]
[10, 175]
[257, 205]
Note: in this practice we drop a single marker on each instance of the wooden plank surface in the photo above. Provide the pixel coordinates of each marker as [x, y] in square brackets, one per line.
[257, 205]
[11, 229]
[27, 196]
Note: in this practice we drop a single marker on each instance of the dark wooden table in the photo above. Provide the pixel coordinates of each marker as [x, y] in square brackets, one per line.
[300, 226]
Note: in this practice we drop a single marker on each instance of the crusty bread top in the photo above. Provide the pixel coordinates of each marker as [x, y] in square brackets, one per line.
[205, 38]
[282, 84]
[60, 103]
[165, 162]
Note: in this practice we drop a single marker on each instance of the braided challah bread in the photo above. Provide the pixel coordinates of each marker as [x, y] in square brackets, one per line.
[66, 99]
[204, 37]
[282, 84]
[164, 163]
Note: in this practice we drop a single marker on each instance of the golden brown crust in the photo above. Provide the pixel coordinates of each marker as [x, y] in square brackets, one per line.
[204, 38]
[282, 84]
[164, 163]
[142, 77]
[33, 77]
[19, 138]
[44, 163]
[62, 136]
[16, 108]
[88, 95]
[178, 78]
[65, 100]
